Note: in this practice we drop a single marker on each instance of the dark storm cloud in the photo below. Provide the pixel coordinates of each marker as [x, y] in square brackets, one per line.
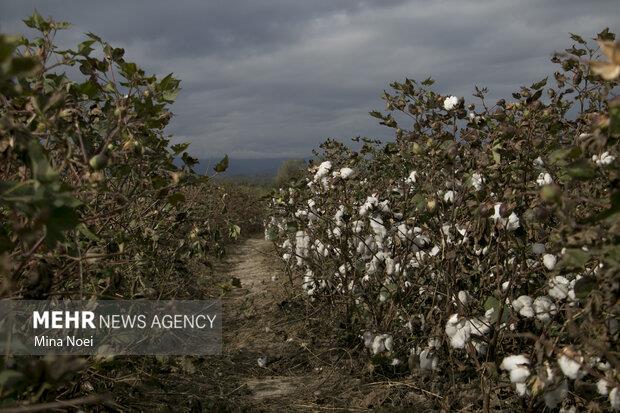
[276, 77]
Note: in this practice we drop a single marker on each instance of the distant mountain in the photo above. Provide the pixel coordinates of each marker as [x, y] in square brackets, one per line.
[263, 168]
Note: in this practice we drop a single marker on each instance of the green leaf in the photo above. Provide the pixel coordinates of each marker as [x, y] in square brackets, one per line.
[539, 84]
[584, 286]
[428, 81]
[291, 226]
[85, 48]
[234, 231]
[5, 242]
[580, 169]
[493, 303]
[169, 87]
[179, 147]
[94, 37]
[36, 21]
[564, 154]
[22, 66]
[376, 114]
[577, 38]
[575, 258]
[614, 209]
[61, 219]
[271, 234]
[9, 378]
[41, 169]
[614, 119]
[129, 69]
[83, 229]
[606, 35]
[87, 88]
[176, 199]
[222, 165]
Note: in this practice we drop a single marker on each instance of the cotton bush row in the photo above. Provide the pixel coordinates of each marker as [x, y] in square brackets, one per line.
[483, 235]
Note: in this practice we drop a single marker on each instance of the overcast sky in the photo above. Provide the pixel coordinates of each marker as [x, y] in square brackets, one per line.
[274, 78]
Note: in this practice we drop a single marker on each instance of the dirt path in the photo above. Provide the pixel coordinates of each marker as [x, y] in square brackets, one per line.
[305, 368]
[251, 328]
[260, 323]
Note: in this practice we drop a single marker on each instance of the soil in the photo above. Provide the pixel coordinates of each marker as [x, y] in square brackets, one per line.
[308, 367]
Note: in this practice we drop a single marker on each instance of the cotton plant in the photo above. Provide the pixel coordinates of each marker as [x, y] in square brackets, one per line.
[438, 231]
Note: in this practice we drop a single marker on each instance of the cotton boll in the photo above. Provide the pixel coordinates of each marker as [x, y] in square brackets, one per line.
[459, 332]
[603, 366]
[603, 159]
[513, 222]
[262, 362]
[614, 398]
[544, 308]
[428, 360]
[544, 179]
[339, 214]
[368, 338]
[346, 173]
[395, 362]
[451, 325]
[402, 232]
[445, 229]
[521, 389]
[511, 362]
[478, 326]
[463, 297]
[559, 287]
[538, 248]
[523, 305]
[421, 241]
[370, 203]
[384, 206]
[389, 266]
[450, 102]
[388, 342]
[570, 367]
[519, 374]
[357, 226]
[323, 170]
[377, 345]
[476, 181]
[449, 196]
[480, 347]
[434, 342]
[603, 387]
[549, 261]
[412, 177]
[376, 223]
[497, 216]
